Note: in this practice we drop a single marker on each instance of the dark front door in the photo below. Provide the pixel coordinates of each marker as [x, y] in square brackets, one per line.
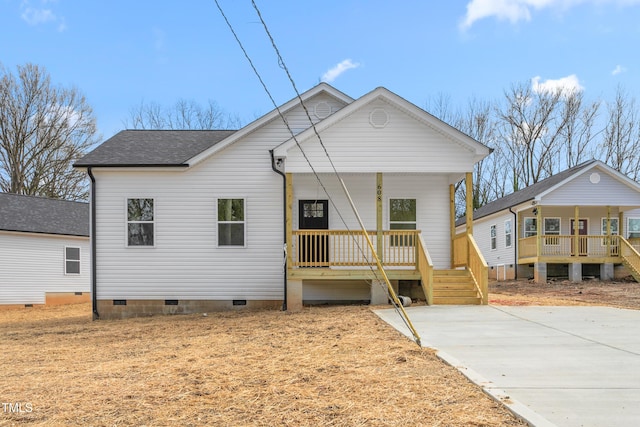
[583, 249]
[313, 249]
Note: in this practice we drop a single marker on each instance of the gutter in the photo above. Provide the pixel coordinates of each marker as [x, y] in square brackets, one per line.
[284, 224]
[515, 244]
[94, 301]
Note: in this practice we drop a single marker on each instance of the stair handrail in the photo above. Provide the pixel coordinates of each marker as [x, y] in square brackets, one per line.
[630, 255]
[424, 265]
[478, 269]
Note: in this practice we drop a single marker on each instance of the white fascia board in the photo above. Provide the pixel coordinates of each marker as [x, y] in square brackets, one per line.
[272, 115]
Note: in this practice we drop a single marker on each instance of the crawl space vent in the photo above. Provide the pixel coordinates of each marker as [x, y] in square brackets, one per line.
[378, 118]
[322, 110]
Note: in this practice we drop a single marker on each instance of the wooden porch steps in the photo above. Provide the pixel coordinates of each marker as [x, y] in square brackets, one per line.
[454, 287]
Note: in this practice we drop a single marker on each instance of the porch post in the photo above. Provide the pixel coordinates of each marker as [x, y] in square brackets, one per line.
[468, 180]
[608, 231]
[379, 224]
[576, 230]
[538, 231]
[621, 224]
[452, 219]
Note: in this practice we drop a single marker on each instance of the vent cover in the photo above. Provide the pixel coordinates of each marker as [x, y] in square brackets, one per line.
[378, 118]
[594, 178]
[322, 110]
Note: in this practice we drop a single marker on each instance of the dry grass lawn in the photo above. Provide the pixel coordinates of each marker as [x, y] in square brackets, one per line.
[325, 366]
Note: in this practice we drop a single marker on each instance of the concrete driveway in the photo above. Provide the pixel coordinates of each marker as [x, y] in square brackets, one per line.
[562, 366]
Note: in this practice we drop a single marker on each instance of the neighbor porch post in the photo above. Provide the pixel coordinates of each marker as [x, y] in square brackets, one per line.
[379, 223]
[576, 230]
[468, 180]
[294, 287]
[452, 219]
[608, 231]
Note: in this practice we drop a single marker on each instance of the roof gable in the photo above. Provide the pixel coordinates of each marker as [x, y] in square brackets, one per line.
[42, 215]
[382, 94]
[547, 186]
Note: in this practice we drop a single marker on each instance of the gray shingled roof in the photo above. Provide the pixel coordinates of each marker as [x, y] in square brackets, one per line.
[152, 147]
[525, 194]
[41, 215]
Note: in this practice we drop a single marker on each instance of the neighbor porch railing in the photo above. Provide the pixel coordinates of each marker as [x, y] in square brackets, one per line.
[466, 254]
[569, 246]
[349, 248]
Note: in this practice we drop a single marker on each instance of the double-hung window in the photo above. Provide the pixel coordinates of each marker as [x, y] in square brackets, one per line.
[71, 260]
[507, 233]
[552, 228]
[231, 222]
[613, 228]
[140, 222]
[494, 238]
[530, 227]
[633, 228]
[402, 216]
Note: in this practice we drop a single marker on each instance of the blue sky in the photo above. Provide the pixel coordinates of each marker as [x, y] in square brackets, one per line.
[120, 53]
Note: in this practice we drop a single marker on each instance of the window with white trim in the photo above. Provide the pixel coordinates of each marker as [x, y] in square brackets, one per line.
[508, 233]
[494, 238]
[613, 227]
[231, 222]
[140, 222]
[402, 216]
[71, 260]
[530, 226]
[633, 228]
[552, 228]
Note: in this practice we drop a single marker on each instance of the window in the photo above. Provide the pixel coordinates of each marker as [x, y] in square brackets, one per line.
[140, 222]
[402, 216]
[552, 228]
[633, 227]
[530, 227]
[494, 239]
[71, 260]
[231, 222]
[507, 233]
[613, 228]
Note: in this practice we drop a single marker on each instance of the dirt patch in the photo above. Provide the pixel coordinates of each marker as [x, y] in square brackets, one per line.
[623, 294]
[338, 366]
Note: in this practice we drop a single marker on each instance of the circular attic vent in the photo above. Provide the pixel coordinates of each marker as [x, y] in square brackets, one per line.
[322, 110]
[594, 178]
[378, 118]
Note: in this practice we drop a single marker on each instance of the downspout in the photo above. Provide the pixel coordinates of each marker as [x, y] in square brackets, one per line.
[515, 244]
[94, 301]
[284, 224]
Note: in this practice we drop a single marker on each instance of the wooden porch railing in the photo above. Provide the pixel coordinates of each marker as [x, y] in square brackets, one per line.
[467, 254]
[343, 248]
[565, 246]
[631, 257]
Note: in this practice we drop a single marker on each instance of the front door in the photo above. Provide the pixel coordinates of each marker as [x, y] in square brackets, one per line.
[582, 243]
[313, 249]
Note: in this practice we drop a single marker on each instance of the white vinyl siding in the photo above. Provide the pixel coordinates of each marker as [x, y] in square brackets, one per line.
[34, 264]
[405, 144]
[482, 235]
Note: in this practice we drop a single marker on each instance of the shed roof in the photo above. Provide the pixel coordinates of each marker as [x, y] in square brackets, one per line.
[42, 215]
[130, 148]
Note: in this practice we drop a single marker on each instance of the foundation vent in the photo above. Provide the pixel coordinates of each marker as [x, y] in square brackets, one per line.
[119, 302]
[239, 302]
[171, 302]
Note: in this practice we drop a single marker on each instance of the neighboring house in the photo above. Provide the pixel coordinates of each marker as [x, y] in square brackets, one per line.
[44, 251]
[531, 233]
[195, 221]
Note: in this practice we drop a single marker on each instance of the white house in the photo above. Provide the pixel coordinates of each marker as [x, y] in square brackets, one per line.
[205, 220]
[44, 251]
[532, 232]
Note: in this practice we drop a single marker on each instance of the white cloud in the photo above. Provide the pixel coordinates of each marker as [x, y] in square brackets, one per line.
[569, 84]
[520, 10]
[41, 15]
[340, 68]
[618, 70]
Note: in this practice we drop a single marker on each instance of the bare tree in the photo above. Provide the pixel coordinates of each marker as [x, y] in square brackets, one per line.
[184, 114]
[43, 130]
[620, 143]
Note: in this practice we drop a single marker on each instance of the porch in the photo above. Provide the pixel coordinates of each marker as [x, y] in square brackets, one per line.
[347, 255]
